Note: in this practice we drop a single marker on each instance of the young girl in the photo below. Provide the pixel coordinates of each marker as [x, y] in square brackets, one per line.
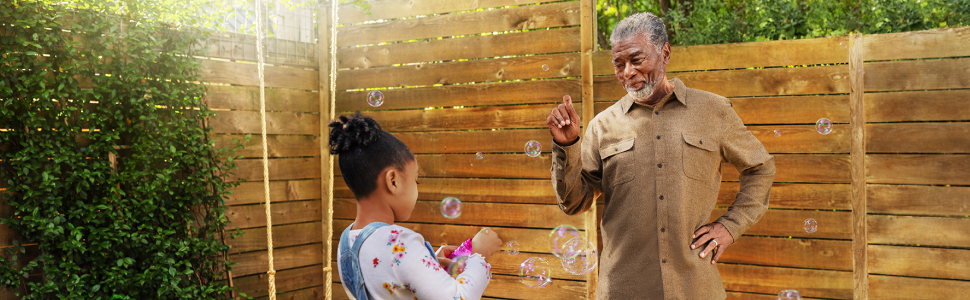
[380, 260]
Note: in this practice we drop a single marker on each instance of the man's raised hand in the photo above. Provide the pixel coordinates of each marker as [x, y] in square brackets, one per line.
[564, 122]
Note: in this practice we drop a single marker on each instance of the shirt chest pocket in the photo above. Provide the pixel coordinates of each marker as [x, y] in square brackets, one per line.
[618, 162]
[700, 157]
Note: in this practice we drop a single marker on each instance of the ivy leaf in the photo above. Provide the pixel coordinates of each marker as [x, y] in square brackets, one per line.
[95, 288]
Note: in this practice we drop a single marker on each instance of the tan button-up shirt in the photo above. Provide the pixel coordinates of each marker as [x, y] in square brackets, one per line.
[659, 171]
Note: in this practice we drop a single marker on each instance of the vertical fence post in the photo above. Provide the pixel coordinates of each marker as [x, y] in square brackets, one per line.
[860, 269]
[326, 172]
[588, 35]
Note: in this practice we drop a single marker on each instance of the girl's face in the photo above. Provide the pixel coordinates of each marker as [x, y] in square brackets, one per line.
[404, 201]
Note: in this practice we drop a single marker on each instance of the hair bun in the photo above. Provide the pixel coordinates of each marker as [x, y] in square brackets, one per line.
[349, 132]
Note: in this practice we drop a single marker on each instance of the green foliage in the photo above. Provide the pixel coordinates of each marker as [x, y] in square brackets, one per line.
[110, 166]
[699, 22]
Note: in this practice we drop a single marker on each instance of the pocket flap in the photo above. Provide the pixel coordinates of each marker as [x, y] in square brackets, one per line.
[616, 148]
[700, 142]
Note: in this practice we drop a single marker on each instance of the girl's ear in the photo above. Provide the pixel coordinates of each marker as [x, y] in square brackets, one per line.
[393, 181]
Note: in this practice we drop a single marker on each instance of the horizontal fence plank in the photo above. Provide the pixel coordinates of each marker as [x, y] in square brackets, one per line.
[932, 106]
[477, 213]
[516, 18]
[821, 168]
[279, 145]
[909, 199]
[471, 47]
[493, 166]
[895, 287]
[783, 110]
[283, 236]
[943, 42]
[537, 191]
[524, 67]
[918, 169]
[745, 55]
[918, 138]
[278, 50]
[782, 252]
[485, 141]
[505, 286]
[499, 93]
[247, 98]
[394, 9]
[771, 280]
[249, 216]
[795, 195]
[280, 190]
[506, 117]
[923, 231]
[286, 280]
[283, 258]
[918, 75]
[802, 138]
[276, 122]
[782, 223]
[919, 262]
[747, 83]
[279, 169]
[246, 74]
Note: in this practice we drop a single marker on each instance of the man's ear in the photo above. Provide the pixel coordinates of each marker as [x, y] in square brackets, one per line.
[392, 179]
[666, 53]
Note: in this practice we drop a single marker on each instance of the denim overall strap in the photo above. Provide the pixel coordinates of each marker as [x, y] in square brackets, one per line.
[351, 276]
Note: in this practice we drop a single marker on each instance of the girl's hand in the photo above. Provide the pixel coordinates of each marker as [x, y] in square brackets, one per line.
[443, 252]
[486, 243]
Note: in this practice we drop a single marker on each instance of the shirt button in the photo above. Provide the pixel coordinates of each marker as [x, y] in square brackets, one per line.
[664, 261]
[616, 149]
[656, 112]
[661, 196]
[702, 142]
[660, 165]
[658, 137]
[663, 229]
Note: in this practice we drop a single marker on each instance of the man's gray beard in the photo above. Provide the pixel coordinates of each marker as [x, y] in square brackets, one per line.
[643, 93]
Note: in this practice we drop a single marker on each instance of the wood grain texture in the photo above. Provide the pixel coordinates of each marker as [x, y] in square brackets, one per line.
[470, 47]
[315, 292]
[280, 190]
[783, 252]
[860, 272]
[771, 280]
[536, 191]
[920, 262]
[943, 42]
[795, 195]
[918, 169]
[394, 9]
[782, 110]
[494, 166]
[894, 287]
[494, 117]
[933, 106]
[279, 145]
[923, 231]
[918, 138]
[245, 74]
[747, 83]
[471, 142]
[479, 94]
[478, 213]
[247, 98]
[918, 75]
[745, 55]
[283, 258]
[912, 200]
[498, 20]
[499, 69]
[802, 138]
[819, 168]
[279, 169]
[254, 239]
[250, 216]
[785, 223]
[286, 280]
[276, 122]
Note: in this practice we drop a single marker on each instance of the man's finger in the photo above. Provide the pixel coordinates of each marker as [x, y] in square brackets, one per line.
[710, 246]
[565, 114]
[717, 255]
[567, 100]
[701, 240]
[558, 117]
[571, 109]
[704, 229]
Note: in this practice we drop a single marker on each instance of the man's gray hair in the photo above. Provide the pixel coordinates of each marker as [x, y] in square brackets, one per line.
[639, 23]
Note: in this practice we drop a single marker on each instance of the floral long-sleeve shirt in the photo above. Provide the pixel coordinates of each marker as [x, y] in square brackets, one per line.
[396, 264]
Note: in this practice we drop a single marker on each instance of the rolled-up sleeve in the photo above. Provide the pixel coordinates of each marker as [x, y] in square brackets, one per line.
[757, 168]
[577, 174]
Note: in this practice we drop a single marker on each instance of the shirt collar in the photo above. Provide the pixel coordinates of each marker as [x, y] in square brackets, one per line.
[679, 93]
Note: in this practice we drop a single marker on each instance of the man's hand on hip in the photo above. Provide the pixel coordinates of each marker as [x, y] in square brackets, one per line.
[716, 237]
[564, 122]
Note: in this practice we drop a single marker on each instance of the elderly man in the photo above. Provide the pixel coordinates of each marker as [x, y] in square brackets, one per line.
[655, 156]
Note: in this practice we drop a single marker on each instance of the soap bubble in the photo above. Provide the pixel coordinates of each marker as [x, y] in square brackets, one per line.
[512, 248]
[479, 155]
[375, 98]
[811, 225]
[843, 45]
[584, 260]
[824, 126]
[533, 148]
[786, 59]
[545, 68]
[789, 295]
[777, 133]
[488, 81]
[451, 207]
[457, 265]
[862, 71]
[559, 237]
[535, 272]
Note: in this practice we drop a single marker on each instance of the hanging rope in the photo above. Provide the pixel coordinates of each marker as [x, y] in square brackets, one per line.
[333, 101]
[262, 123]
